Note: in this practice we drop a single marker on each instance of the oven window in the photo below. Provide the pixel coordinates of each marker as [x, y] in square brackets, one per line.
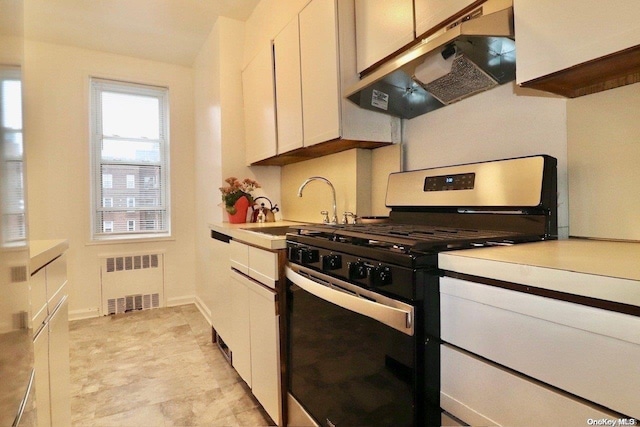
[346, 369]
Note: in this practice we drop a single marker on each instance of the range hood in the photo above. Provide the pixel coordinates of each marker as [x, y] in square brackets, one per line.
[471, 55]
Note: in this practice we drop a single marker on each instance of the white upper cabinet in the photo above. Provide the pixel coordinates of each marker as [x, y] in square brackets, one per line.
[286, 47]
[259, 106]
[554, 35]
[382, 27]
[315, 63]
[319, 69]
[431, 13]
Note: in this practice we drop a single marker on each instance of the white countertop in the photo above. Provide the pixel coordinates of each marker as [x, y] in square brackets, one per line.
[591, 268]
[250, 233]
[41, 252]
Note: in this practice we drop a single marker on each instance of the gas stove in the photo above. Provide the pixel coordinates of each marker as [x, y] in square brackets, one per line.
[395, 265]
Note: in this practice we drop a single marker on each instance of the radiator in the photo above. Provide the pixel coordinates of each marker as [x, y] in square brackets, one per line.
[132, 282]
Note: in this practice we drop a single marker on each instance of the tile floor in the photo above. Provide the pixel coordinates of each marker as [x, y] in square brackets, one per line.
[155, 368]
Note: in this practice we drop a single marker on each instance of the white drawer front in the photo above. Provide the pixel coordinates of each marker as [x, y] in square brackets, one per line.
[480, 393]
[56, 278]
[536, 336]
[239, 256]
[263, 266]
[38, 295]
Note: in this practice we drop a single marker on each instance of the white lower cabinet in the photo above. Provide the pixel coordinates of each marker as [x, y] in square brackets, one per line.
[253, 330]
[41, 366]
[265, 352]
[239, 338]
[59, 370]
[255, 341]
[576, 359]
[50, 320]
[51, 363]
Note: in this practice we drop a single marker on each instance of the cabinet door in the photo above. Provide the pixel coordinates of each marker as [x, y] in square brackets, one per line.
[431, 13]
[239, 340]
[382, 27]
[59, 365]
[41, 366]
[259, 106]
[286, 48]
[555, 35]
[265, 351]
[319, 70]
[216, 296]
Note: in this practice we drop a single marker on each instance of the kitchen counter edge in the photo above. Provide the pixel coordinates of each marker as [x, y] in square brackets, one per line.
[41, 252]
[605, 270]
[243, 233]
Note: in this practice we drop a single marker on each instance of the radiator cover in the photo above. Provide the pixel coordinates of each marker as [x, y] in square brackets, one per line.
[132, 282]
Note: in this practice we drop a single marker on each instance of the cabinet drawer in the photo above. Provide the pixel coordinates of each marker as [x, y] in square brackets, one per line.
[583, 350]
[38, 295]
[56, 278]
[239, 256]
[465, 393]
[263, 266]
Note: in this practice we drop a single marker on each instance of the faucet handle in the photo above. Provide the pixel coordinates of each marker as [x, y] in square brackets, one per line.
[346, 215]
[325, 220]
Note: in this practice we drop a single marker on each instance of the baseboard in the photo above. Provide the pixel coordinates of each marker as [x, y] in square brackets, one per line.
[85, 313]
[183, 300]
[202, 307]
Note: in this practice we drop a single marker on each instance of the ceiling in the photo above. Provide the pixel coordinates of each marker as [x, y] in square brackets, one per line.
[162, 30]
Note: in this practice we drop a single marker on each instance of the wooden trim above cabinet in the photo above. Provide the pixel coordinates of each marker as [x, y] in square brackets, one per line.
[318, 150]
[608, 72]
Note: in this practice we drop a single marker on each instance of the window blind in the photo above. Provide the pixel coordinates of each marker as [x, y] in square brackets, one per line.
[130, 160]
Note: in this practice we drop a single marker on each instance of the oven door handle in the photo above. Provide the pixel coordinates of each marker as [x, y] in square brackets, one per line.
[400, 319]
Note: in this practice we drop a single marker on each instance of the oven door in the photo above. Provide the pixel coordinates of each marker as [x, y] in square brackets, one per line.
[352, 352]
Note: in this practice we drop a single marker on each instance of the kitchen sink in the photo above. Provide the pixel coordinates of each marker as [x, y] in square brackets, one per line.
[276, 230]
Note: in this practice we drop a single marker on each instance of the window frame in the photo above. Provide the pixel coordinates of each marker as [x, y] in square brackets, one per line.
[96, 87]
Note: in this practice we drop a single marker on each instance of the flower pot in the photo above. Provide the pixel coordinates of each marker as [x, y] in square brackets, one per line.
[241, 206]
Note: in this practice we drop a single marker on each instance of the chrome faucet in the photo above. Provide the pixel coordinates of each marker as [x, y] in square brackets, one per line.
[334, 219]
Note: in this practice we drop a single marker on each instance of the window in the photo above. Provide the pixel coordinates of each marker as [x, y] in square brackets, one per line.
[130, 160]
[12, 215]
[107, 180]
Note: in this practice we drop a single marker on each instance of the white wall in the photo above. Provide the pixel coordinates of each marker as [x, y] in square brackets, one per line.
[498, 124]
[57, 149]
[219, 147]
[604, 160]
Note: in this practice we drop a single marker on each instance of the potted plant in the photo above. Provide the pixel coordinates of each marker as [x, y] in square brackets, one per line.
[237, 198]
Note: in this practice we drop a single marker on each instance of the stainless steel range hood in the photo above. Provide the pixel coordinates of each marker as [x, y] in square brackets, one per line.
[469, 56]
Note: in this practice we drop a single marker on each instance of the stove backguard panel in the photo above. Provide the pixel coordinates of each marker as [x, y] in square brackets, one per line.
[511, 183]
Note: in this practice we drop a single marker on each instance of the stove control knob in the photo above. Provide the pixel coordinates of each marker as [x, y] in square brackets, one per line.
[331, 262]
[381, 276]
[309, 256]
[358, 270]
[294, 253]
